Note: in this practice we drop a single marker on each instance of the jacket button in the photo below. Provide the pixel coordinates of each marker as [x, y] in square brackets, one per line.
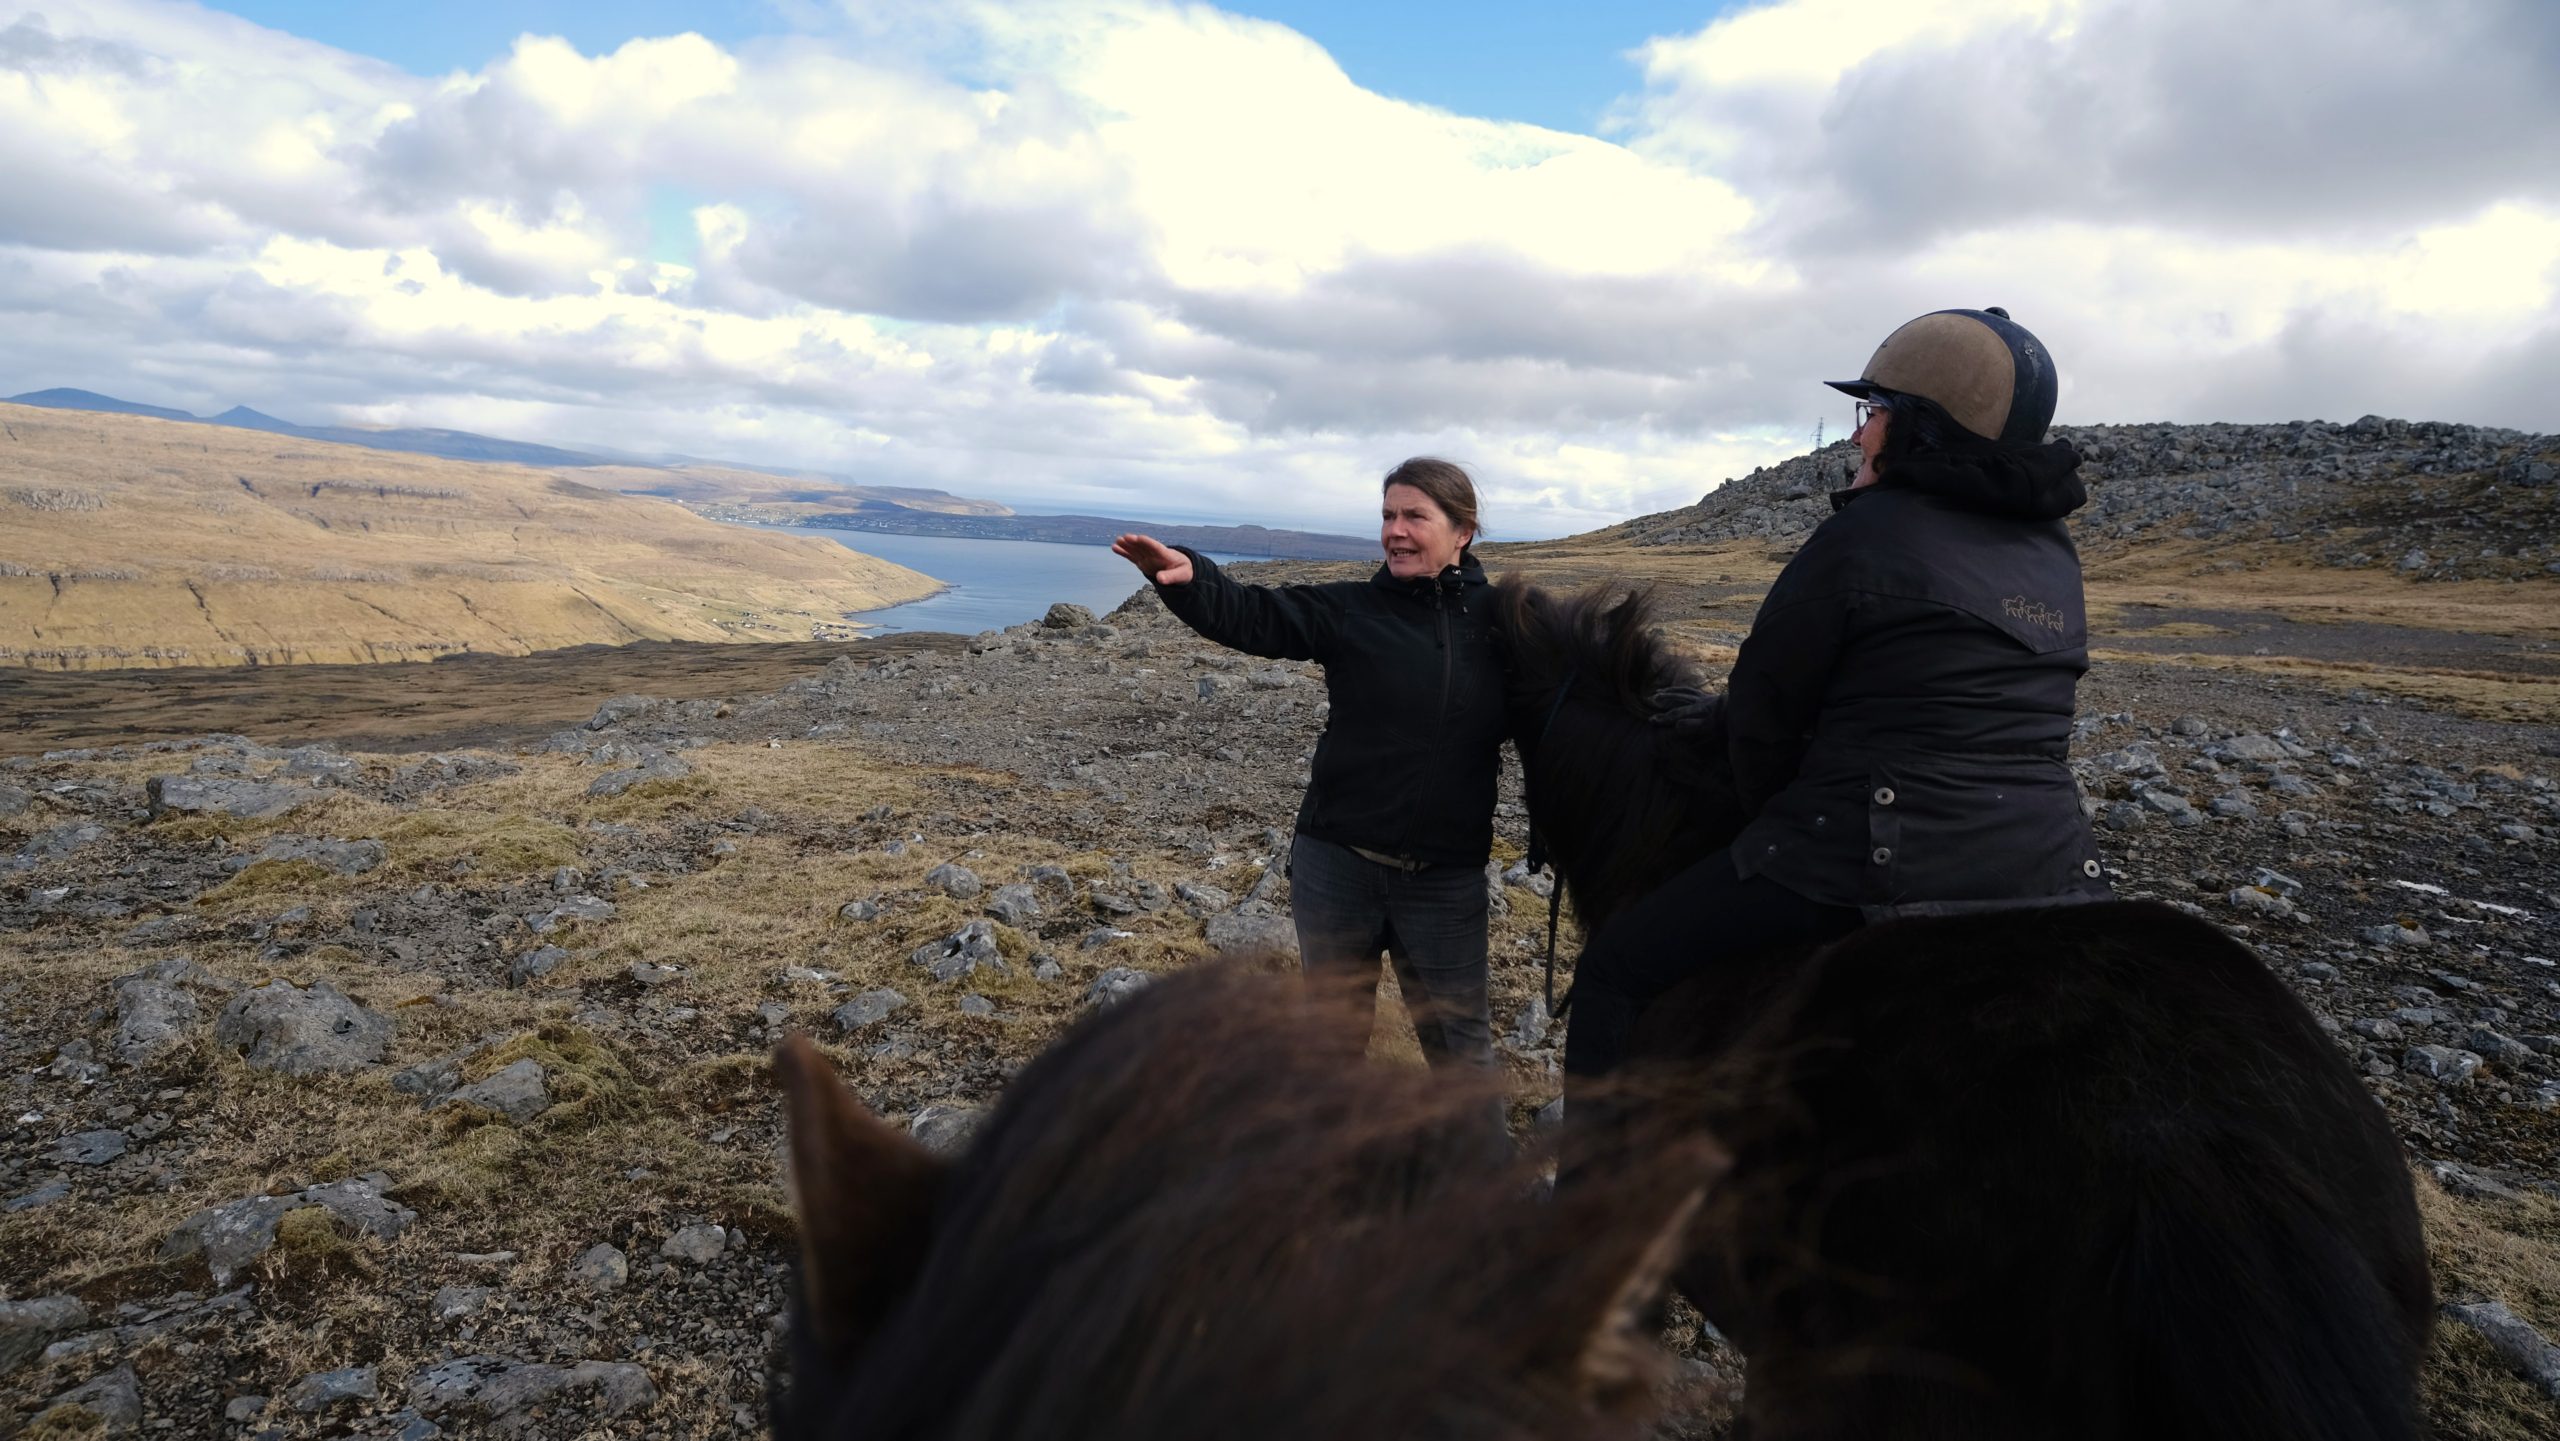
[1883, 855]
[1821, 821]
[2089, 869]
[1884, 795]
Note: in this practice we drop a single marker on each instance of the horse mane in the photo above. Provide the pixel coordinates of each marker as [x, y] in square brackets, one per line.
[1195, 1216]
[1606, 635]
[1622, 803]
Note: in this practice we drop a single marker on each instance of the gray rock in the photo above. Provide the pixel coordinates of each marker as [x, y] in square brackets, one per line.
[1116, 985]
[39, 1198]
[2415, 559]
[2516, 1342]
[344, 858]
[622, 708]
[576, 910]
[282, 1027]
[453, 1303]
[231, 1235]
[601, 1267]
[2443, 1064]
[2498, 1048]
[1530, 1031]
[1203, 901]
[2259, 901]
[89, 1148]
[27, 1327]
[534, 964]
[115, 1398]
[1272, 679]
[697, 1245]
[223, 796]
[654, 765]
[960, 953]
[516, 1092]
[431, 1080]
[945, 1129]
[2377, 1028]
[1015, 904]
[1236, 934]
[1046, 968]
[974, 1004]
[13, 801]
[319, 763]
[2257, 748]
[153, 1018]
[2187, 725]
[325, 1389]
[651, 975]
[956, 881]
[1066, 615]
[244, 1409]
[2233, 805]
[2408, 937]
[868, 910]
[869, 1009]
[498, 1388]
[2168, 803]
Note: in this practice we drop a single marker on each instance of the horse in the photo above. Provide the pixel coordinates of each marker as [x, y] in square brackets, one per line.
[1191, 1216]
[2086, 1170]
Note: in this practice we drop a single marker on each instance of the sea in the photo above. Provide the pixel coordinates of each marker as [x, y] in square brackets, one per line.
[993, 583]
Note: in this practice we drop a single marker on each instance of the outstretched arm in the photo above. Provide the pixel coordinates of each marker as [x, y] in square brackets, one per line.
[1161, 564]
[1283, 622]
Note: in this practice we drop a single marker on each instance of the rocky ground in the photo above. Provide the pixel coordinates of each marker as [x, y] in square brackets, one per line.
[391, 1094]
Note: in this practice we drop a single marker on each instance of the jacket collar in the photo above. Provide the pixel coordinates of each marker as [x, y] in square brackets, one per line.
[1452, 580]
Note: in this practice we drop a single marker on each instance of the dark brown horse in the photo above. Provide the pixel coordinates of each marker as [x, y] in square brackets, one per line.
[1189, 1218]
[2088, 1171]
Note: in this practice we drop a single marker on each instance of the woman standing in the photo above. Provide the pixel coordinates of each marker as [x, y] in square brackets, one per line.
[1899, 716]
[1397, 822]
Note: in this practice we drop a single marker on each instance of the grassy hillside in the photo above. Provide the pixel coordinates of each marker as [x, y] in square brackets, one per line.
[127, 541]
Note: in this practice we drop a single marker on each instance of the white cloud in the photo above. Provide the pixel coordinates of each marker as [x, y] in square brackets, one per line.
[1133, 256]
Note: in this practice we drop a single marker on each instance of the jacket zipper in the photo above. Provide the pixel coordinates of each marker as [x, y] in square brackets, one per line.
[1440, 718]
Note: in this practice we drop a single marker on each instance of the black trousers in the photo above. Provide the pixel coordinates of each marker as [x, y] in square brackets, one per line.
[1702, 917]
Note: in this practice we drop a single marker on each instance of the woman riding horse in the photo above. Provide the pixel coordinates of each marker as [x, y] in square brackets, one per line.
[1897, 720]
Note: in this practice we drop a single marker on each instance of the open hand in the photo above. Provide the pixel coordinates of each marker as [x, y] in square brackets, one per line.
[1155, 560]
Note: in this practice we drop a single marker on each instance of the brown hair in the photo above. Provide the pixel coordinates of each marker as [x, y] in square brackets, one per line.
[1449, 487]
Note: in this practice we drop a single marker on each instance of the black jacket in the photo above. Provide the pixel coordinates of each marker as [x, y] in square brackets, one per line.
[1900, 715]
[1410, 748]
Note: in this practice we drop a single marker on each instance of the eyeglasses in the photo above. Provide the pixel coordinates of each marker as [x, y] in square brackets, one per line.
[1869, 409]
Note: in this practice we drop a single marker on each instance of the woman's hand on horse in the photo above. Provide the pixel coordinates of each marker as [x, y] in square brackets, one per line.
[1686, 709]
[1155, 560]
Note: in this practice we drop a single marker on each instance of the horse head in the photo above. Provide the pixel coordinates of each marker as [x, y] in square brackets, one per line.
[1190, 1217]
[1621, 802]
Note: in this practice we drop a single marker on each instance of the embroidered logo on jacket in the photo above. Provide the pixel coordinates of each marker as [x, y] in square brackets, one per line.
[2033, 612]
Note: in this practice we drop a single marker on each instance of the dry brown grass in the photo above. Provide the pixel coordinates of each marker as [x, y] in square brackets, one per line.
[196, 544]
[2483, 695]
[2510, 1250]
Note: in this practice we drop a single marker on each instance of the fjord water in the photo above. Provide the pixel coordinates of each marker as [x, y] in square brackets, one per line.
[993, 583]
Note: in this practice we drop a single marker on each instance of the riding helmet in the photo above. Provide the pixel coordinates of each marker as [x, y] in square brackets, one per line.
[1983, 368]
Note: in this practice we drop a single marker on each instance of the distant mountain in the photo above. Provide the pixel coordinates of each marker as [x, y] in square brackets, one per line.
[65, 398]
[882, 517]
[451, 444]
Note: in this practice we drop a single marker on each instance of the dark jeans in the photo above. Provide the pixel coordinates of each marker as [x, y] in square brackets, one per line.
[1348, 908]
[1702, 917]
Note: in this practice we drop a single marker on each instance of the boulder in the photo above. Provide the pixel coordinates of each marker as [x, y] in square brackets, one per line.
[1116, 985]
[343, 858]
[1014, 904]
[497, 1388]
[945, 1129]
[956, 881]
[869, 1009]
[231, 1235]
[516, 1092]
[601, 1267]
[1066, 615]
[27, 1327]
[153, 1018]
[282, 1027]
[961, 952]
[322, 1390]
[698, 1245]
[1235, 934]
[113, 1402]
[222, 796]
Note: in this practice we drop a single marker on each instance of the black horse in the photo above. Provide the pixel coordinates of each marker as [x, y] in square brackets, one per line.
[2086, 1171]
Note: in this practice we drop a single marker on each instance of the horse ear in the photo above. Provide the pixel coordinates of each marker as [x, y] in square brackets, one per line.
[1637, 1225]
[864, 1196]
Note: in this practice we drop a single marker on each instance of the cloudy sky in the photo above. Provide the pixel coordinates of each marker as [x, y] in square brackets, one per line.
[1177, 260]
